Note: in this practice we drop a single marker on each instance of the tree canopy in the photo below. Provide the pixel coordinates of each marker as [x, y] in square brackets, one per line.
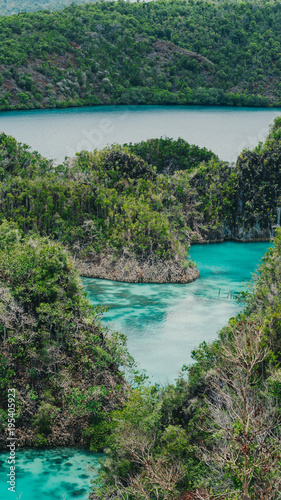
[161, 52]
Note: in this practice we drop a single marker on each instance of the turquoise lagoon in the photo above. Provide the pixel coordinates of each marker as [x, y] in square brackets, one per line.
[61, 474]
[164, 323]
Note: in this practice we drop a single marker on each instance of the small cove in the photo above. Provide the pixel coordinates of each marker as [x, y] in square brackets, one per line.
[165, 322]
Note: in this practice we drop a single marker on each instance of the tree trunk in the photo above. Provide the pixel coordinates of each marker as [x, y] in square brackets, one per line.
[246, 481]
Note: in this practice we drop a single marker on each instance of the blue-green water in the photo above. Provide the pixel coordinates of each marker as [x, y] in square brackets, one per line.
[61, 474]
[165, 322]
[57, 133]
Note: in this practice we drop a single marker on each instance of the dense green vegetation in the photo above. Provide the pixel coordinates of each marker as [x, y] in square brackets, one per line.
[169, 155]
[217, 433]
[258, 177]
[109, 200]
[8, 7]
[151, 198]
[162, 52]
[53, 351]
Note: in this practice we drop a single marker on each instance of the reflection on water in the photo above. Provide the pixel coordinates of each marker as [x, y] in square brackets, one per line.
[165, 322]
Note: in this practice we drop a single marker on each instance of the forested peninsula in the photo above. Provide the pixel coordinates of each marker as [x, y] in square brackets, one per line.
[161, 52]
[8, 7]
[130, 213]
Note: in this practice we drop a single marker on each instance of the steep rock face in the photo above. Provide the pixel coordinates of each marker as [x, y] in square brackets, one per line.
[132, 270]
[238, 233]
[254, 233]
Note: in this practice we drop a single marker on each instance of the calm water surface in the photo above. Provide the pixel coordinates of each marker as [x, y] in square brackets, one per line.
[61, 474]
[58, 133]
[165, 322]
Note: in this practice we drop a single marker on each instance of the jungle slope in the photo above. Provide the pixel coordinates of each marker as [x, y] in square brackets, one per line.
[162, 52]
[54, 354]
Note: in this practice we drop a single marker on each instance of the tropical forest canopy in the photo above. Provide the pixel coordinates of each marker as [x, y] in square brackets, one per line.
[162, 52]
[8, 7]
[152, 198]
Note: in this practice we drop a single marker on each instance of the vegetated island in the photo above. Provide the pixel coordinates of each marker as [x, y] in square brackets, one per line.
[160, 52]
[130, 213]
[217, 433]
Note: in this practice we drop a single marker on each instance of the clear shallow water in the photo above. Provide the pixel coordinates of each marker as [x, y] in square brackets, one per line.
[58, 133]
[165, 322]
[61, 474]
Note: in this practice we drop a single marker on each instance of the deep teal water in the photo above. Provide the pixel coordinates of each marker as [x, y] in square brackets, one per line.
[165, 322]
[62, 474]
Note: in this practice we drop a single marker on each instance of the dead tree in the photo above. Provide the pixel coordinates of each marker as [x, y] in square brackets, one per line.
[243, 417]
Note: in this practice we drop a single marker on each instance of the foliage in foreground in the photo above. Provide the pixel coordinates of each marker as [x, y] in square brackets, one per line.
[53, 350]
[161, 52]
[217, 433]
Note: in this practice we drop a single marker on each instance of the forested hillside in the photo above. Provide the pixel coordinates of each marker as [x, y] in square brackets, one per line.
[8, 7]
[162, 52]
[112, 202]
[146, 201]
[53, 351]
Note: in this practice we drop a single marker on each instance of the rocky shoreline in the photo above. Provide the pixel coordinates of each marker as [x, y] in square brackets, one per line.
[131, 270]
